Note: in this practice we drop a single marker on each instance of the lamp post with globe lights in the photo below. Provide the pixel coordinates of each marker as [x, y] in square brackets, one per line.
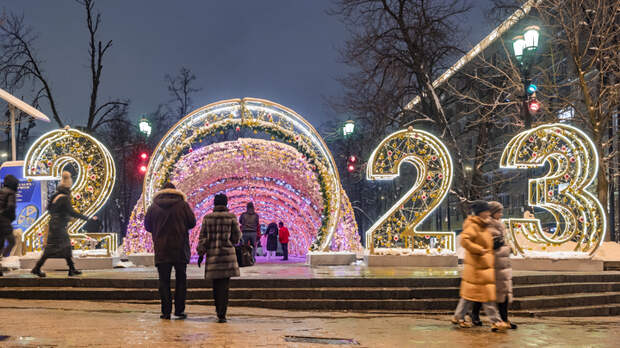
[525, 49]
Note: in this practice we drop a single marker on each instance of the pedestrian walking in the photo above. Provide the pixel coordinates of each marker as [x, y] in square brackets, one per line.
[7, 214]
[58, 241]
[272, 240]
[218, 237]
[250, 222]
[283, 235]
[503, 267]
[169, 219]
[478, 279]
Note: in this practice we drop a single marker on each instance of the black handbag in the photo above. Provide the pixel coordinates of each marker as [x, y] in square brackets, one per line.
[244, 255]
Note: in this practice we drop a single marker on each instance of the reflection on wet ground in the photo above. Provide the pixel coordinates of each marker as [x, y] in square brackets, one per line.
[109, 324]
[287, 271]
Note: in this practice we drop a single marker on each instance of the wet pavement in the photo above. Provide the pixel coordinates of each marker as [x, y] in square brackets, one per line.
[26, 323]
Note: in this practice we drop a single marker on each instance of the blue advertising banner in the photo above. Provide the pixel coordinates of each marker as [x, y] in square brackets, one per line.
[30, 195]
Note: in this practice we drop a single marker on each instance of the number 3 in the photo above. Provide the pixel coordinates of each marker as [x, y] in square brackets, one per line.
[573, 165]
[430, 157]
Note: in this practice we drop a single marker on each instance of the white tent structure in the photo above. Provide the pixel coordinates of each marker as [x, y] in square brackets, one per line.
[15, 102]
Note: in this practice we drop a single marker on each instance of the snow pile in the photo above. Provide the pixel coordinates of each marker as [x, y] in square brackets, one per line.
[10, 262]
[553, 255]
[330, 253]
[409, 252]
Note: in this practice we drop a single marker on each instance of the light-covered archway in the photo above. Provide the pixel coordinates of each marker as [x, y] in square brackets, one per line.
[313, 190]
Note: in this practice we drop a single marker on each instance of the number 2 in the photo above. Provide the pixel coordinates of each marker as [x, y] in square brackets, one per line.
[46, 159]
[398, 227]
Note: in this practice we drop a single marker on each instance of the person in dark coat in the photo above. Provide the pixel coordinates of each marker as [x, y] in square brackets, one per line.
[218, 237]
[250, 223]
[169, 219]
[7, 214]
[58, 241]
[272, 240]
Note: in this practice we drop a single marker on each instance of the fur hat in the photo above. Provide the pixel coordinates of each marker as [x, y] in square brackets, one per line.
[65, 180]
[479, 206]
[11, 182]
[495, 206]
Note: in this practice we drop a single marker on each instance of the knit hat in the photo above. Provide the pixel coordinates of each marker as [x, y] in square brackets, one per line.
[479, 206]
[65, 180]
[220, 199]
[495, 206]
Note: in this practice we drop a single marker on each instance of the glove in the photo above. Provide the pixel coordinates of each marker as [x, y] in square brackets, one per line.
[200, 259]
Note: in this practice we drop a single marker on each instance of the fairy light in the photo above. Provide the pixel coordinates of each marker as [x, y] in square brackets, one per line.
[398, 226]
[251, 113]
[563, 191]
[96, 174]
[273, 175]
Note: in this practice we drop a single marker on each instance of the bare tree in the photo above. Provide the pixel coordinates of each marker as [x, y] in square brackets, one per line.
[19, 65]
[576, 74]
[181, 87]
[398, 48]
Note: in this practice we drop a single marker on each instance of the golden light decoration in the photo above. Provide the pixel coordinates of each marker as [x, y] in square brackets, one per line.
[96, 174]
[254, 114]
[563, 191]
[398, 227]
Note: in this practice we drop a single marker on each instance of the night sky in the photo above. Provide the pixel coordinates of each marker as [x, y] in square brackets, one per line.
[282, 50]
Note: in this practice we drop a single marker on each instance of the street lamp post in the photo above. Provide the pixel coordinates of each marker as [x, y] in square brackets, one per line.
[348, 128]
[525, 50]
[145, 126]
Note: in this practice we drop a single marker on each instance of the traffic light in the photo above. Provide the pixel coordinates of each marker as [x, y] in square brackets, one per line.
[531, 89]
[143, 162]
[534, 106]
[351, 163]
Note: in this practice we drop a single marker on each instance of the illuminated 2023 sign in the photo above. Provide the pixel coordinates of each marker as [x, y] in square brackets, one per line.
[96, 173]
[573, 166]
[399, 226]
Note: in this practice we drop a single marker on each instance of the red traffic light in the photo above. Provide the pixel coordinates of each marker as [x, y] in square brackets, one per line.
[534, 106]
[352, 159]
[142, 169]
[351, 168]
[144, 155]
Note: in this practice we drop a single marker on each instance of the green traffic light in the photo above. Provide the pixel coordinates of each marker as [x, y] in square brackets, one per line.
[531, 88]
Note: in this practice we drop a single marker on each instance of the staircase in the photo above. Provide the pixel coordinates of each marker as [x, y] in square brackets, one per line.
[535, 295]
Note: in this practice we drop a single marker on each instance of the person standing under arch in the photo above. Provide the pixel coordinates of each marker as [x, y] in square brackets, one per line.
[272, 240]
[283, 235]
[250, 222]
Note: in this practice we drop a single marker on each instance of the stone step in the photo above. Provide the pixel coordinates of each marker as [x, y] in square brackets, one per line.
[572, 300]
[85, 282]
[580, 311]
[298, 293]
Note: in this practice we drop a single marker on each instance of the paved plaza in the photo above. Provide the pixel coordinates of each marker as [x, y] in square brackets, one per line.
[27, 323]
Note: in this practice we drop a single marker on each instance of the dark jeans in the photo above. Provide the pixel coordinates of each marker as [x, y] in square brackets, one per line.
[250, 237]
[180, 289]
[502, 307]
[220, 296]
[284, 251]
[11, 239]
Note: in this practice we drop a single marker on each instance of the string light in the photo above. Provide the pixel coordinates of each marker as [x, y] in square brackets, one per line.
[398, 227]
[573, 165]
[96, 174]
[276, 177]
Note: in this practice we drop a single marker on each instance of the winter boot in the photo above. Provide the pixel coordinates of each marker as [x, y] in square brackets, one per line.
[500, 326]
[74, 272]
[37, 272]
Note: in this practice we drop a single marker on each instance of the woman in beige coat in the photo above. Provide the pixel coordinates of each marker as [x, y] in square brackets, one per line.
[503, 268]
[478, 278]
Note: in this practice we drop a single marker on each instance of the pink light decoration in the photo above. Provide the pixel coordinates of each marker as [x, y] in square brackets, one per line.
[273, 175]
